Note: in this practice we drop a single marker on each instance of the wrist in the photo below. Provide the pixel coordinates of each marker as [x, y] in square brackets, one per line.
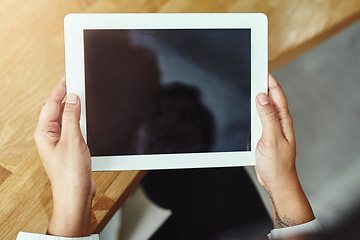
[72, 204]
[290, 205]
[70, 193]
[283, 184]
[71, 215]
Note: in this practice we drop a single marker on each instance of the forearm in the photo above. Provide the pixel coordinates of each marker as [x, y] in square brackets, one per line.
[290, 206]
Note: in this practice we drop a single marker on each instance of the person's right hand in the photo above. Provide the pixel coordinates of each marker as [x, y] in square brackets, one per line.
[276, 150]
[275, 159]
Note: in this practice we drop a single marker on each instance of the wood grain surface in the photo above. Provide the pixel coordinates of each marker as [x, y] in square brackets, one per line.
[32, 61]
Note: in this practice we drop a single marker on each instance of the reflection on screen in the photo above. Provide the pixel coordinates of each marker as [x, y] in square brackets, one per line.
[167, 91]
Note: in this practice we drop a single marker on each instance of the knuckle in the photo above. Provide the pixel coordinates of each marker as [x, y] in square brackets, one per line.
[53, 98]
[273, 85]
[270, 115]
[46, 132]
[285, 114]
[70, 112]
[51, 137]
[52, 127]
[74, 143]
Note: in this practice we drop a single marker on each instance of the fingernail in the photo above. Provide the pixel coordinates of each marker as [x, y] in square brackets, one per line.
[72, 98]
[263, 99]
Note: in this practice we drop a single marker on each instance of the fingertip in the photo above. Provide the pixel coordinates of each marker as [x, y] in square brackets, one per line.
[263, 99]
[271, 76]
[71, 112]
[72, 98]
[272, 82]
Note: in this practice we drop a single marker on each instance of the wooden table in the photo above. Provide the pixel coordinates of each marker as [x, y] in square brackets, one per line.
[32, 61]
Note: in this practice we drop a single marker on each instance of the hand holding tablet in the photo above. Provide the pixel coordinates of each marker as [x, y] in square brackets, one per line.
[66, 160]
[167, 90]
[167, 107]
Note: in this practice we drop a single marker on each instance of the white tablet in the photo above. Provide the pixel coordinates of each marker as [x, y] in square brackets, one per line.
[165, 91]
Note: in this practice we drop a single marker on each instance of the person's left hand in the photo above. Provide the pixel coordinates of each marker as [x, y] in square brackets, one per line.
[67, 162]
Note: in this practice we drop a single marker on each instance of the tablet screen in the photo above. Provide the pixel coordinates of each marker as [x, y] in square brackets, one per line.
[160, 91]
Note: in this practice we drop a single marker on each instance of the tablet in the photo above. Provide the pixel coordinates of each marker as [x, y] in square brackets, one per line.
[166, 91]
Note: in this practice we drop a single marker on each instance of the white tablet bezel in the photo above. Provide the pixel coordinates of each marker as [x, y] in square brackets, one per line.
[74, 26]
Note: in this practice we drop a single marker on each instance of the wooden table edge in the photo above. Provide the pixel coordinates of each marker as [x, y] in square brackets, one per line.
[119, 202]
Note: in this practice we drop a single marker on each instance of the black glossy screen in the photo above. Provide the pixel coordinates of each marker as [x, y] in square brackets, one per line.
[167, 91]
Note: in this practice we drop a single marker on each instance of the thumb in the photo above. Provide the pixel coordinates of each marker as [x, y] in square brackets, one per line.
[268, 116]
[71, 117]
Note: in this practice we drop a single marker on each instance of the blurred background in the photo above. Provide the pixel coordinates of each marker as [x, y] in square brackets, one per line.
[314, 53]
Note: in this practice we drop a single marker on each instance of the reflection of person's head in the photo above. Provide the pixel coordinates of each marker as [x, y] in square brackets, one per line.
[179, 122]
[121, 84]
